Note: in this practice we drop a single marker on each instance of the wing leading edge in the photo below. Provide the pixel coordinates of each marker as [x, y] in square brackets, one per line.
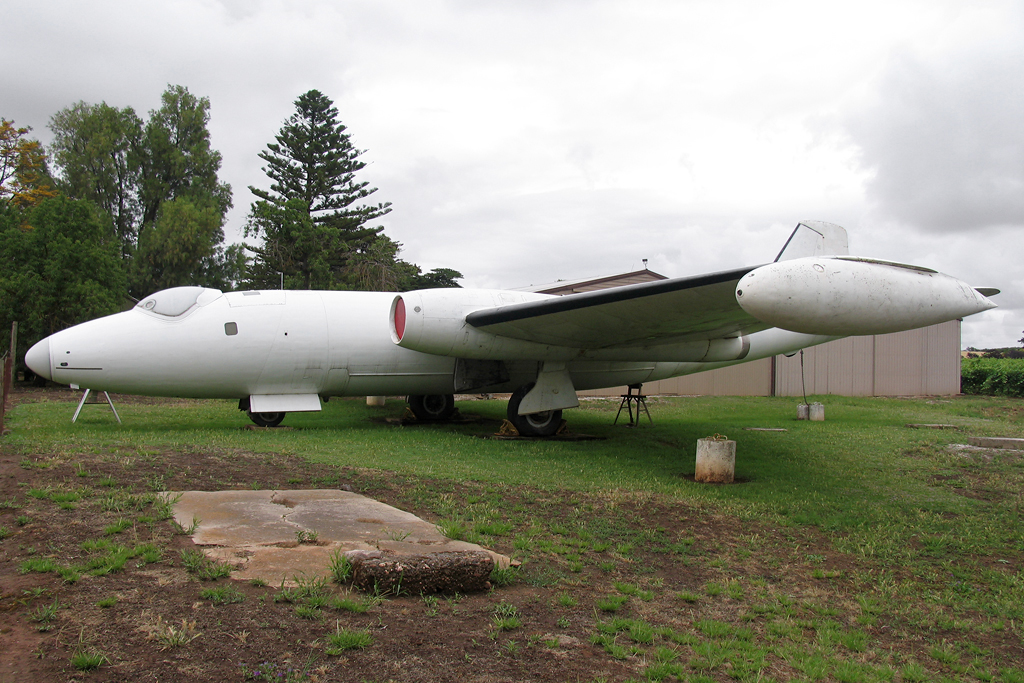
[680, 309]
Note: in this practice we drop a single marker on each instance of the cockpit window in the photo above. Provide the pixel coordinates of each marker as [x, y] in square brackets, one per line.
[178, 300]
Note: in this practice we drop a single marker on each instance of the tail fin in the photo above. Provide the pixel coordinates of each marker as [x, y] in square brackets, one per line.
[815, 238]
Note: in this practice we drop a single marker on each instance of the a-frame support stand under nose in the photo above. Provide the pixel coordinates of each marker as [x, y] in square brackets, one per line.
[84, 401]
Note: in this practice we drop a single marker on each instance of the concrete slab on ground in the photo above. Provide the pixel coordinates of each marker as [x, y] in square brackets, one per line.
[1006, 442]
[259, 531]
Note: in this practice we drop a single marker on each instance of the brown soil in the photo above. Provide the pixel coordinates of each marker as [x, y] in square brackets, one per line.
[413, 638]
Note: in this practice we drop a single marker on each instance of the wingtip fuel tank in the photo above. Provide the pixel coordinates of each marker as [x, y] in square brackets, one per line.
[847, 295]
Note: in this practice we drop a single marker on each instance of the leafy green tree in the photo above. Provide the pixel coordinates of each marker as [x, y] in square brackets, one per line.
[378, 268]
[176, 158]
[183, 201]
[179, 247]
[437, 278]
[152, 178]
[97, 147]
[229, 267]
[312, 166]
[59, 266]
[24, 178]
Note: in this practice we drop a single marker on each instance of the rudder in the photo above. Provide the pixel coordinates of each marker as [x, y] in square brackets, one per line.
[815, 238]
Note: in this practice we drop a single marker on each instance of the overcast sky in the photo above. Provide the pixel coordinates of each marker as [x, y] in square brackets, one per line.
[529, 141]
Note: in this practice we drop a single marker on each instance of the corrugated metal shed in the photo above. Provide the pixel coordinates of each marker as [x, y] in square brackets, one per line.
[913, 363]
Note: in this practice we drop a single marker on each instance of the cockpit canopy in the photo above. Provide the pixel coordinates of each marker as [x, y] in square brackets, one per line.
[177, 301]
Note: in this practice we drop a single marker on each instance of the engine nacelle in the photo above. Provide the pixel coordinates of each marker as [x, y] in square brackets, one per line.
[434, 321]
[845, 295]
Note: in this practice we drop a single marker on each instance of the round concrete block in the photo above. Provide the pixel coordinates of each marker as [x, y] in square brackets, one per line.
[803, 411]
[716, 461]
[375, 401]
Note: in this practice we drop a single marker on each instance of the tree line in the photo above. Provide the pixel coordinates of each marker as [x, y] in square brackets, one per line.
[121, 206]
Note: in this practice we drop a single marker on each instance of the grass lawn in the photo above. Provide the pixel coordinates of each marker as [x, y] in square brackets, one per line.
[855, 549]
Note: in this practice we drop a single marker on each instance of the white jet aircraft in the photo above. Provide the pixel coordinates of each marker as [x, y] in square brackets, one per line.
[281, 351]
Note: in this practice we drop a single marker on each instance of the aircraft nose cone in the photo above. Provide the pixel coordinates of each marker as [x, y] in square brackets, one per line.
[38, 358]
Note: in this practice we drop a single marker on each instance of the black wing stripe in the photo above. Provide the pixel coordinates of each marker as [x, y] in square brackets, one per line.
[573, 302]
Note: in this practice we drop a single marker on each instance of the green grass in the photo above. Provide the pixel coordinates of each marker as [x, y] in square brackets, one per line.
[340, 566]
[87, 660]
[222, 595]
[45, 614]
[506, 617]
[346, 639]
[346, 604]
[813, 465]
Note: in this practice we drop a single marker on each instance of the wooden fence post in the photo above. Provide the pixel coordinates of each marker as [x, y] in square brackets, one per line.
[5, 390]
[8, 376]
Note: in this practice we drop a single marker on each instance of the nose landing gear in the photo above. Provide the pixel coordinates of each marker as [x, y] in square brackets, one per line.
[266, 419]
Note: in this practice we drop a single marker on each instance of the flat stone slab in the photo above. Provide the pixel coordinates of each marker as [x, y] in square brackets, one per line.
[267, 534]
[996, 442]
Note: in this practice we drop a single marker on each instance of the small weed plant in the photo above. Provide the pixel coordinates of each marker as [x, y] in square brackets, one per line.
[343, 639]
[505, 617]
[340, 566]
[306, 536]
[84, 659]
[222, 595]
[172, 636]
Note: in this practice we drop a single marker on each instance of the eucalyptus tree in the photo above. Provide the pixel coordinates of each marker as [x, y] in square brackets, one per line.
[96, 147]
[156, 181]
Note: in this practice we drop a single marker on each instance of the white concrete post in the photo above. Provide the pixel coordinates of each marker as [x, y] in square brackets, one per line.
[716, 460]
[375, 401]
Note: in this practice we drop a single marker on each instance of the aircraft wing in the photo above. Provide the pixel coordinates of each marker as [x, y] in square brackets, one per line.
[679, 309]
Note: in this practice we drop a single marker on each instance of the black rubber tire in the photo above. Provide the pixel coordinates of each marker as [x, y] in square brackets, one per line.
[266, 419]
[432, 407]
[534, 424]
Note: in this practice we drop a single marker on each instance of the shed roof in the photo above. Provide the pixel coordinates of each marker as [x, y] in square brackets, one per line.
[593, 284]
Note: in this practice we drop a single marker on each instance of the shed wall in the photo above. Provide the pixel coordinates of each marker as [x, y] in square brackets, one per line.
[912, 363]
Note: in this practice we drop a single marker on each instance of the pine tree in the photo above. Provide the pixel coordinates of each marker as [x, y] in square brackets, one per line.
[313, 212]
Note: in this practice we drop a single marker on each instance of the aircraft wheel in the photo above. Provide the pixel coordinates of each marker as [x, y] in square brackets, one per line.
[535, 424]
[432, 407]
[265, 419]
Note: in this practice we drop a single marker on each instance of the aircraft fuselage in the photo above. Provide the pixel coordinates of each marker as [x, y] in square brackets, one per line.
[322, 343]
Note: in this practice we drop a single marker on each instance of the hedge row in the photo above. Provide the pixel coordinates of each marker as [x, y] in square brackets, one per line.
[992, 376]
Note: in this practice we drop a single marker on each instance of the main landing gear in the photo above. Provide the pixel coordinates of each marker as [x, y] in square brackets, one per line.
[432, 407]
[440, 407]
[534, 424]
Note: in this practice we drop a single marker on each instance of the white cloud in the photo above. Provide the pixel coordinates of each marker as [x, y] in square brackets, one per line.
[946, 144]
[941, 138]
